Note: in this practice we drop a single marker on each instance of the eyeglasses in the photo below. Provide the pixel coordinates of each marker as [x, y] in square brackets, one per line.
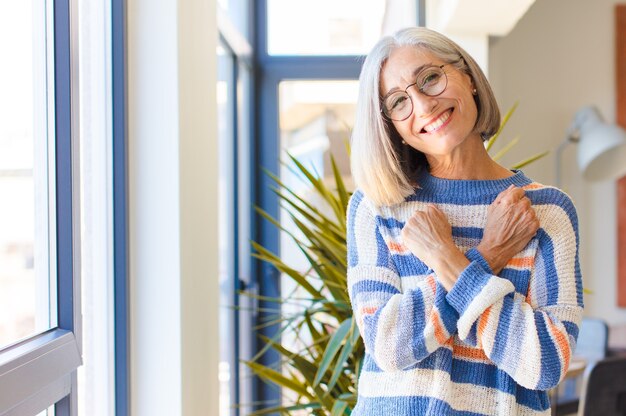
[430, 81]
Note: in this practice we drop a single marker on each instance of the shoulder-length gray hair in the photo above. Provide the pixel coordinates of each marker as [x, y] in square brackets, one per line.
[383, 168]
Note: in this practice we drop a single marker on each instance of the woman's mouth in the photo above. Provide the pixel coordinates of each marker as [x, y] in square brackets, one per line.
[441, 121]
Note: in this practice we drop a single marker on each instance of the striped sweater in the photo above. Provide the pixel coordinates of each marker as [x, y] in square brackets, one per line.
[492, 345]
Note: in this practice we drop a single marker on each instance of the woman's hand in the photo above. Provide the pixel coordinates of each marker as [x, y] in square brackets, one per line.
[428, 235]
[511, 224]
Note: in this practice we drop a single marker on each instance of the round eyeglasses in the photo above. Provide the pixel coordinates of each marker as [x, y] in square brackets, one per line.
[431, 81]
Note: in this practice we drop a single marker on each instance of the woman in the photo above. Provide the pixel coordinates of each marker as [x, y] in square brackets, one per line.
[463, 275]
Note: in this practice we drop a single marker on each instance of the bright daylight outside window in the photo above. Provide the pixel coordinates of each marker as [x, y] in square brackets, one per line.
[226, 137]
[347, 27]
[27, 250]
[315, 122]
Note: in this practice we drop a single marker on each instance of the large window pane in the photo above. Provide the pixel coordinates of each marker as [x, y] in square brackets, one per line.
[27, 292]
[330, 27]
[315, 122]
[323, 27]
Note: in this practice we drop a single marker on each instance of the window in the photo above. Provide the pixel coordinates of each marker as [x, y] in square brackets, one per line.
[315, 118]
[40, 347]
[27, 289]
[330, 27]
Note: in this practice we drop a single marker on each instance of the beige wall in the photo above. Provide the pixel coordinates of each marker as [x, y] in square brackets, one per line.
[173, 190]
[559, 58]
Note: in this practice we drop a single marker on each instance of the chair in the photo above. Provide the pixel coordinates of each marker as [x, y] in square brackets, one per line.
[604, 388]
[592, 346]
[593, 339]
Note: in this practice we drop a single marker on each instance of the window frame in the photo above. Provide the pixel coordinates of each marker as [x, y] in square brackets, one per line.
[121, 326]
[40, 371]
[239, 49]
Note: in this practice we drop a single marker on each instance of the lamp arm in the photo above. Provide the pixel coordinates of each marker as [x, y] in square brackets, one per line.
[571, 137]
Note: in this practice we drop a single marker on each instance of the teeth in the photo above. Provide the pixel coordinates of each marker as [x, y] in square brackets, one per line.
[438, 123]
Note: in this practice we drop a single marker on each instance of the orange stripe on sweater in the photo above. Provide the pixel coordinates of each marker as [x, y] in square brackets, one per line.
[368, 310]
[468, 352]
[561, 341]
[527, 262]
[431, 282]
[396, 247]
[440, 334]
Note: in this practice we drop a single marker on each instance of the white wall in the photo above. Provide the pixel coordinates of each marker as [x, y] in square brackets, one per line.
[173, 207]
[470, 22]
[560, 57]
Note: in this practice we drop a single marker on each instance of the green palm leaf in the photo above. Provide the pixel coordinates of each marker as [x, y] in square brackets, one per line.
[338, 338]
[278, 378]
[346, 352]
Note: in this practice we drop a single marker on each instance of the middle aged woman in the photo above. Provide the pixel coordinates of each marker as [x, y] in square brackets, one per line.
[463, 275]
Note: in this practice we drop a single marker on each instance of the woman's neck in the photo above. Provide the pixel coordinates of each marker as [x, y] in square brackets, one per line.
[469, 162]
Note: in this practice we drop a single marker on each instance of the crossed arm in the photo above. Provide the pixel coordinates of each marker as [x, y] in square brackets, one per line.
[511, 223]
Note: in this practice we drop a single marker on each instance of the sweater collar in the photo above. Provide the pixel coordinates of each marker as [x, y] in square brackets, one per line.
[431, 184]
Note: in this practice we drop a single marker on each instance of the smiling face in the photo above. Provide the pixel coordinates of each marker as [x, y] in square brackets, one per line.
[439, 126]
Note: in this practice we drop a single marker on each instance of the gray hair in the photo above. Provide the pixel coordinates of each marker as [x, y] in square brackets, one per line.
[383, 168]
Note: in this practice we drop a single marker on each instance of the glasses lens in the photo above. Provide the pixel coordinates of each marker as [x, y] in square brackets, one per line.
[398, 106]
[432, 81]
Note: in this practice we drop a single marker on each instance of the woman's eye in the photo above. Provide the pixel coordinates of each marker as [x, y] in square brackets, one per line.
[429, 79]
[397, 102]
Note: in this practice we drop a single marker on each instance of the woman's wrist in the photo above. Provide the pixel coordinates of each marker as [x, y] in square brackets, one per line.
[493, 258]
[450, 266]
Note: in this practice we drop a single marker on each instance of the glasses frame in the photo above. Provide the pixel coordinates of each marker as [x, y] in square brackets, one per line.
[420, 89]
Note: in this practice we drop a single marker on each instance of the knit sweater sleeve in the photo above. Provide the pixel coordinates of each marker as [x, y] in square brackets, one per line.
[531, 337]
[399, 328]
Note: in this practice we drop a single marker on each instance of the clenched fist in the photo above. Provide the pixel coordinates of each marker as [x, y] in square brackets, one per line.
[428, 235]
[511, 224]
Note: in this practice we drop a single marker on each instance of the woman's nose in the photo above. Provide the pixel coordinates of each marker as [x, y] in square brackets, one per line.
[423, 105]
